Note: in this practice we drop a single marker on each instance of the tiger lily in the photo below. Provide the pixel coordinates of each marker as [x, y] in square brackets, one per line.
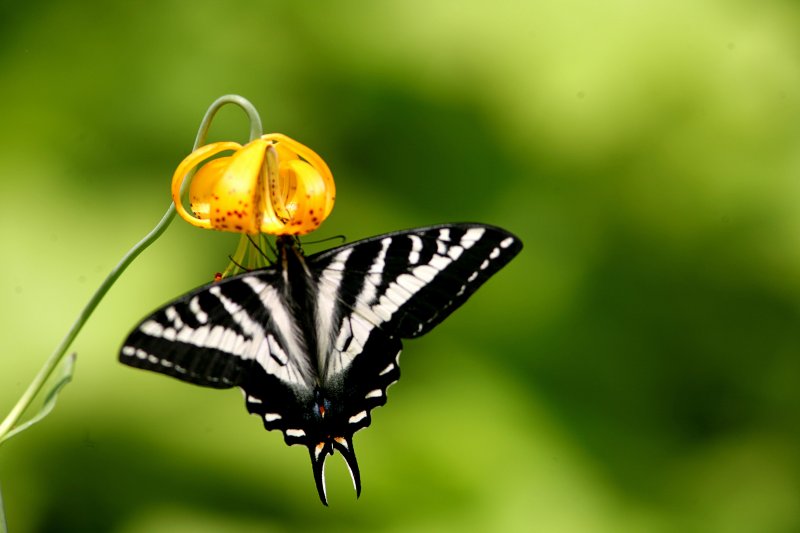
[272, 185]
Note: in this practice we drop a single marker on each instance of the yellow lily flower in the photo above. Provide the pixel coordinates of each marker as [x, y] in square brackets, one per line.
[271, 185]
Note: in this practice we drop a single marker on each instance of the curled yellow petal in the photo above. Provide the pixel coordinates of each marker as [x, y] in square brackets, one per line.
[308, 201]
[185, 166]
[324, 192]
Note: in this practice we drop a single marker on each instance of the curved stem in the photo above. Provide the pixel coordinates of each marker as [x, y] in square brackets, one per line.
[52, 362]
[256, 130]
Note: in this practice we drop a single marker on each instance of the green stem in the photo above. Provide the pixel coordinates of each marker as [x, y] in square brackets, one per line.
[52, 362]
[3, 524]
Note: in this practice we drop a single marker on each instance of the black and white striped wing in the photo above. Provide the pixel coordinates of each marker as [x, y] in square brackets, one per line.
[401, 284]
[375, 292]
[235, 332]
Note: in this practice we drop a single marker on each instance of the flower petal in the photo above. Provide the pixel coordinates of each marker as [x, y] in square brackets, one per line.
[201, 190]
[237, 190]
[305, 192]
[183, 170]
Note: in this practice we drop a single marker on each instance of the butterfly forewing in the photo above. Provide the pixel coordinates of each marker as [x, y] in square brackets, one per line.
[215, 334]
[407, 282]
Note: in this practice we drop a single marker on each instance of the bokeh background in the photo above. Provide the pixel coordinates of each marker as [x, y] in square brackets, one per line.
[635, 369]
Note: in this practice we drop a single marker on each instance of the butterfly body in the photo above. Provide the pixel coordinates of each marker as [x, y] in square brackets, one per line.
[313, 342]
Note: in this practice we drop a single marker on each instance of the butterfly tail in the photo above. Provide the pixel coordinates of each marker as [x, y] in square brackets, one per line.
[345, 447]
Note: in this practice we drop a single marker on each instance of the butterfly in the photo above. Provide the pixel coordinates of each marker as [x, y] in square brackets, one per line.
[314, 342]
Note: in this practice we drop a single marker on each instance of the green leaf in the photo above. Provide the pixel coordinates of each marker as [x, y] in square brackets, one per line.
[50, 399]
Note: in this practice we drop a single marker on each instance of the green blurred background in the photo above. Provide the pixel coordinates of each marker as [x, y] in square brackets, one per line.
[636, 368]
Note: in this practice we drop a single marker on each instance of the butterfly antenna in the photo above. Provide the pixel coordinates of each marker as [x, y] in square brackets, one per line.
[339, 237]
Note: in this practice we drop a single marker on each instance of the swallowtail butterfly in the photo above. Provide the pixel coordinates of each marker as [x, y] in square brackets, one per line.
[314, 342]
